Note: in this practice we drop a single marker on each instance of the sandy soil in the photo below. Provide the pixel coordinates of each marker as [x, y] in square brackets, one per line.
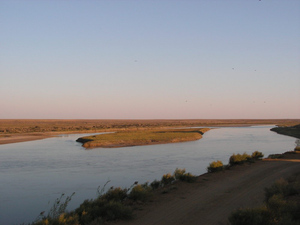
[15, 138]
[214, 196]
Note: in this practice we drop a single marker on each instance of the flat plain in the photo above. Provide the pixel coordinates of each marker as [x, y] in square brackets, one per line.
[19, 130]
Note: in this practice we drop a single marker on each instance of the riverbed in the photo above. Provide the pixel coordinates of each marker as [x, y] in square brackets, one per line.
[33, 174]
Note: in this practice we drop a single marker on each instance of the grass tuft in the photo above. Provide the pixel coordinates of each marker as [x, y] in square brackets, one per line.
[215, 166]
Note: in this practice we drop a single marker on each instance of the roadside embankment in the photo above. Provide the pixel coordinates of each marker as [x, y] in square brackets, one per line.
[214, 196]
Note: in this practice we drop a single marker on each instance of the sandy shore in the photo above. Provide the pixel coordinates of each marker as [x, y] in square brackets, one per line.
[15, 138]
[10, 138]
[214, 196]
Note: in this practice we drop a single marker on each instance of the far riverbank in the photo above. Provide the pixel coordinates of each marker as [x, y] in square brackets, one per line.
[20, 130]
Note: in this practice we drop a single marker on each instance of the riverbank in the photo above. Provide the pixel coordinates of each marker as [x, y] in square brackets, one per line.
[293, 131]
[214, 196]
[140, 138]
[13, 131]
[23, 137]
[101, 158]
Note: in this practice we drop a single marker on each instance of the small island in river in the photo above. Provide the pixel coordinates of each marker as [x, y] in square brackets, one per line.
[142, 137]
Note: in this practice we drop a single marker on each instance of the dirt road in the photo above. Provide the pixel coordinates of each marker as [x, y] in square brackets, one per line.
[214, 196]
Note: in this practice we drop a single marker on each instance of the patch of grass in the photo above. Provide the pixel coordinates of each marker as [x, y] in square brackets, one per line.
[256, 216]
[141, 192]
[281, 206]
[115, 204]
[101, 209]
[275, 156]
[282, 187]
[257, 155]
[144, 137]
[237, 159]
[11, 126]
[167, 179]
[57, 213]
[215, 166]
[181, 175]
[155, 184]
[115, 194]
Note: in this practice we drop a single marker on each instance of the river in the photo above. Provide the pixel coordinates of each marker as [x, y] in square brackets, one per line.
[33, 174]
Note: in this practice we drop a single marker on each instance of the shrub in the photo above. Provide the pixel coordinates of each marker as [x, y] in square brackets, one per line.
[68, 219]
[256, 216]
[239, 159]
[279, 208]
[115, 194]
[59, 206]
[275, 156]
[116, 210]
[257, 155]
[282, 209]
[140, 193]
[62, 219]
[180, 174]
[215, 166]
[188, 177]
[155, 184]
[281, 187]
[101, 209]
[167, 179]
[276, 204]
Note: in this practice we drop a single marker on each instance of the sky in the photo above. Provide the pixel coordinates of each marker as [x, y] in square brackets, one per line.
[152, 59]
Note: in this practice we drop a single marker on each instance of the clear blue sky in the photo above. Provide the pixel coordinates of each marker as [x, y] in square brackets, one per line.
[201, 59]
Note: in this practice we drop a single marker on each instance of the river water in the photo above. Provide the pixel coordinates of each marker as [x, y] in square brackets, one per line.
[33, 174]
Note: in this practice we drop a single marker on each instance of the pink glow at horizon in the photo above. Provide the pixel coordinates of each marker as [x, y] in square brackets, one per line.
[147, 60]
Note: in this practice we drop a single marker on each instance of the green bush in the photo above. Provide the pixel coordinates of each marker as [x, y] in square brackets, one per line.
[115, 194]
[281, 187]
[59, 206]
[275, 156]
[276, 204]
[215, 166]
[280, 207]
[188, 177]
[155, 184]
[116, 210]
[100, 208]
[236, 159]
[256, 216]
[257, 155]
[180, 174]
[140, 193]
[167, 179]
[62, 219]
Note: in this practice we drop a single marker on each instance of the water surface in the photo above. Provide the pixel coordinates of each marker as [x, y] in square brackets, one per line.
[34, 173]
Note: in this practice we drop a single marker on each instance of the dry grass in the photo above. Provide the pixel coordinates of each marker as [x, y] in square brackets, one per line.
[11, 126]
[293, 131]
[145, 137]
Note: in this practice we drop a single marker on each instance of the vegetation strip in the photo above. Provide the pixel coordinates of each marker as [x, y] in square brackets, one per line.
[293, 131]
[22, 126]
[281, 206]
[116, 204]
[119, 203]
[144, 137]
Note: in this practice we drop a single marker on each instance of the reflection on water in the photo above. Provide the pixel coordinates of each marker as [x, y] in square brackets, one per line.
[34, 173]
